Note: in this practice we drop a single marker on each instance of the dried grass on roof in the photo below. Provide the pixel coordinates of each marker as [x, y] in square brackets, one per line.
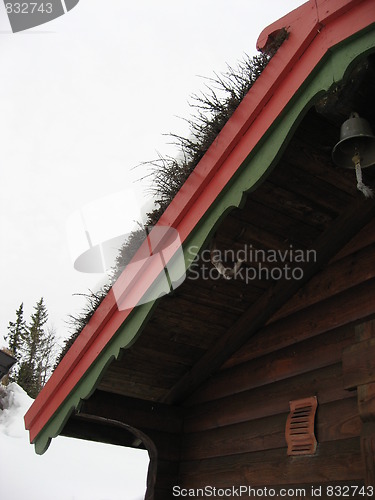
[212, 109]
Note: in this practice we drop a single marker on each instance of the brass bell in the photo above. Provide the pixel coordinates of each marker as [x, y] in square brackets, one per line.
[357, 142]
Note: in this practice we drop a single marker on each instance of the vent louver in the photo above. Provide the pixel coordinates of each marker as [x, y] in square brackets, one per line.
[299, 432]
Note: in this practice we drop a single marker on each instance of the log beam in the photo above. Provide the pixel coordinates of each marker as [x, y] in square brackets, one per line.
[359, 373]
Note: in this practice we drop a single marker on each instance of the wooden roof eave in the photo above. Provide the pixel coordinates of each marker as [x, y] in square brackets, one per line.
[252, 140]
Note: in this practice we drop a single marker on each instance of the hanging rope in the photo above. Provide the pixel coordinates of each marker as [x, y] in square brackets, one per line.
[368, 192]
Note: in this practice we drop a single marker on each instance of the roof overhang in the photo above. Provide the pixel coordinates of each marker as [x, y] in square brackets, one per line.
[325, 38]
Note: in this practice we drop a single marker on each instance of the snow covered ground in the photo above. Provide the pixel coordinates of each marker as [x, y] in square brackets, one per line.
[71, 469]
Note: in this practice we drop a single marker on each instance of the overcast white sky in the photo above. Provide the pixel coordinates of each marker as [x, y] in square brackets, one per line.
[84, 99]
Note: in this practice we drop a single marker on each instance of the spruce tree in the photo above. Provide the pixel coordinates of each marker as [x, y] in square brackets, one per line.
[34, 346]
[34, 349]
[47, 355]
[15, 338]
[30, 378]
[16, 332]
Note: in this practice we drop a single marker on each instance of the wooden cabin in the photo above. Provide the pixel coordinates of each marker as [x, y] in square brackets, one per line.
[265, 380]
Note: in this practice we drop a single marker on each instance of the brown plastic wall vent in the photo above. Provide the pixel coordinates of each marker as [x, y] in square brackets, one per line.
[299, 432]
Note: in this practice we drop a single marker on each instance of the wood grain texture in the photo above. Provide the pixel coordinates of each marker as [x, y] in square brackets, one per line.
[346, 308]
[335, 421]
[335, 461]
[296, 359]
[359, 364]
[326, 384]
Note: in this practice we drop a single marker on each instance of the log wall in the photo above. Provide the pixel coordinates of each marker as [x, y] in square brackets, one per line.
[234, 428]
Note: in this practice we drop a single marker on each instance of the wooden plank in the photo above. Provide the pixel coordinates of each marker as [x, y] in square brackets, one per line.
[337, 277]
[133, 389]
[230, 299]
[334, 421]
[368, 452]
[249, 323]
[353, 305]
[338, 420]
[255, 435]
[251, 233]
[366, 402]
[363, 354]
[293, 205]
[269, 400]
[151, 343]
[133, 367]
[171, 313]
[190, 329]
[308, 156]
[365, 331]
[335, 461]
[138, 363]
[312, 354]
[218, 291]
[192, 335]
[364, 237]
[272, 219]
[319, 192]
[133, 378]
[175, 305]
[358, 363]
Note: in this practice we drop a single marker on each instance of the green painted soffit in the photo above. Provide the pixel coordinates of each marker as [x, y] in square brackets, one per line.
[336, 63]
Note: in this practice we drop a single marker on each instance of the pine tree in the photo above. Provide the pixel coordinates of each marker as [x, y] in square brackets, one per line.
[47, 355]
[34, 346]
[30, 378]
[15, 338]
[31, 368]
[16, 333]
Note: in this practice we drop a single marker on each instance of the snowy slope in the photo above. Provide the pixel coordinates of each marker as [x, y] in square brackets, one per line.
[71, 469]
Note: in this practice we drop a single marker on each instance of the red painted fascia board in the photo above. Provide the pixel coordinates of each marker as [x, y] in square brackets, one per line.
[280, 80]
[329, 10]
[303, 32]
[94, 337]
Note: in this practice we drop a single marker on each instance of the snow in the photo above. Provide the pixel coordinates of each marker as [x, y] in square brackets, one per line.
[71, 469]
